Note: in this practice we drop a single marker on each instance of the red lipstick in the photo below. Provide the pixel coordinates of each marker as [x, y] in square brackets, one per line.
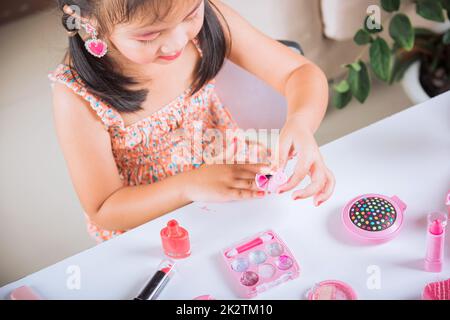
[157, 283]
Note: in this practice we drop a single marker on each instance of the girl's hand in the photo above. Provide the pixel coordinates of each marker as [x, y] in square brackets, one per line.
[222, 182]
[297, 140]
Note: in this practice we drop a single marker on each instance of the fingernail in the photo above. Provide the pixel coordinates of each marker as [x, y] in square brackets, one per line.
[261, 193]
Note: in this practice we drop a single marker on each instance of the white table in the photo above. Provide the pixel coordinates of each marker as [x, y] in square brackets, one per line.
[407, 154]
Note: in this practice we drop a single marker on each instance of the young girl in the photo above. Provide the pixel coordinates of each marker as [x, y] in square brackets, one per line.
[136, 72]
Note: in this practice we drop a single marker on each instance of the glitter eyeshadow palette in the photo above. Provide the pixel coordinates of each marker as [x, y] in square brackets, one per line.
[259, 263]
[374, 217]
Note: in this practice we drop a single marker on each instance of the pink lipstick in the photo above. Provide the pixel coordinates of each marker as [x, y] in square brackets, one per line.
[437, 222]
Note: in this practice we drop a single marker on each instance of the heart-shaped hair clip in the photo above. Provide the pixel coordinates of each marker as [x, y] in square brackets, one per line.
[271, 182]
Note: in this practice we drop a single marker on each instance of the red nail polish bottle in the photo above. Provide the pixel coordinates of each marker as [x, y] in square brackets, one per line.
[175, 240]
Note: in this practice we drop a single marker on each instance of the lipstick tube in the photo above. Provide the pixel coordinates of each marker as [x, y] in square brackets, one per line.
[437, 222]
[157, 283]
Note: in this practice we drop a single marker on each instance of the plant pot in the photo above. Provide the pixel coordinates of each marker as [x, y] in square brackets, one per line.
[411, 84]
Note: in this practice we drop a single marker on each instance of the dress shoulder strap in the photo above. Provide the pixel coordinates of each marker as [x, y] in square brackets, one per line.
[64, 74]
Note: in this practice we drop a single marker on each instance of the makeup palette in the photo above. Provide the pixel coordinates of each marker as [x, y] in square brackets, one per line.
[259, 263]
[332, 290]
[374, 217]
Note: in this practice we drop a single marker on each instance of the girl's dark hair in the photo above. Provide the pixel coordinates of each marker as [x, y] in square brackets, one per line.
[102, 78]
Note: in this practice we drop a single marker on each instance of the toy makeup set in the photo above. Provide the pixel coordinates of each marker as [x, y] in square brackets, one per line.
[259, 263]
[263, 261]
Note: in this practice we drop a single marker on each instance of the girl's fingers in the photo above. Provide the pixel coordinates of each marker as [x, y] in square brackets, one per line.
[301, 170]
[247, 184]
[283, 155]
[253, 168]
[242, 194]
[318, 180]
[327, 191]
[245, 175]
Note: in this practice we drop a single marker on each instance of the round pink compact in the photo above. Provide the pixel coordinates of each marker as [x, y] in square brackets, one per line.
[374, 217]
[205, 297]
[332, 290]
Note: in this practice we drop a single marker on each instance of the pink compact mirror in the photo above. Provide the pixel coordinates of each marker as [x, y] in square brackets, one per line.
[374, 217]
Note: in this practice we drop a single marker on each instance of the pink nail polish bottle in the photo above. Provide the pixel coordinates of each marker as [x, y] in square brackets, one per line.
[175, 241]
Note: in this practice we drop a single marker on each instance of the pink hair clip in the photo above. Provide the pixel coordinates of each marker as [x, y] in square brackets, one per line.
[271, 182]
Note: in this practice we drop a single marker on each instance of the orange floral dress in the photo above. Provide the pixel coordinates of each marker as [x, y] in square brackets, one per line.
[160, 145]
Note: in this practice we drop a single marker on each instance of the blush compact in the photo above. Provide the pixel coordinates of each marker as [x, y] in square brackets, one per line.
[332, 290]
[373, 217]
[259, 263]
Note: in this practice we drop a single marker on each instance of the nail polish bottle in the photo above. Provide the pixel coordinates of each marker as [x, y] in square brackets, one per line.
[175, 240]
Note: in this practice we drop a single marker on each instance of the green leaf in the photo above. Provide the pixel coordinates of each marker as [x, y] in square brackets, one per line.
[446, 37]
[390, 5]
[402, 32]
[381, 59]
[430, 10]
[342, 86]
[341, 100]
[362, 37]
[374, 27]
[359, 82]
[355, 65]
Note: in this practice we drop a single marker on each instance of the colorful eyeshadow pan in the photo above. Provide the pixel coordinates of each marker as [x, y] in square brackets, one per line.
[374, 217]
[249, 278]
[274, 249]
[284, 262]
[259, 263]
[266, 271]
[240, 265]
[257, 257]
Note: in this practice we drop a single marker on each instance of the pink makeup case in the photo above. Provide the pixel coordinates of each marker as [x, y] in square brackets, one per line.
[259, 263]
[374, 218]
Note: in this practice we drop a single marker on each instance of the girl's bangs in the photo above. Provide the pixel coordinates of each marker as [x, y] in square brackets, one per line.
[140, 11]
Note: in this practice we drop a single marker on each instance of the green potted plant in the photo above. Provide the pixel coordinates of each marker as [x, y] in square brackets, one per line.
[409, 45]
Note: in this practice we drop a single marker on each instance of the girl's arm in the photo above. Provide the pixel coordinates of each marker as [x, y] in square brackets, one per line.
[305, 88]
[87, 150]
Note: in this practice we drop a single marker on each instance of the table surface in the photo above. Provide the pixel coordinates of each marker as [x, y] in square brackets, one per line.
[406, 155]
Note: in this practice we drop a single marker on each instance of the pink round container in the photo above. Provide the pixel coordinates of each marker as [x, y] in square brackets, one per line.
[205, 297]
[373, 217]
[332, 290]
